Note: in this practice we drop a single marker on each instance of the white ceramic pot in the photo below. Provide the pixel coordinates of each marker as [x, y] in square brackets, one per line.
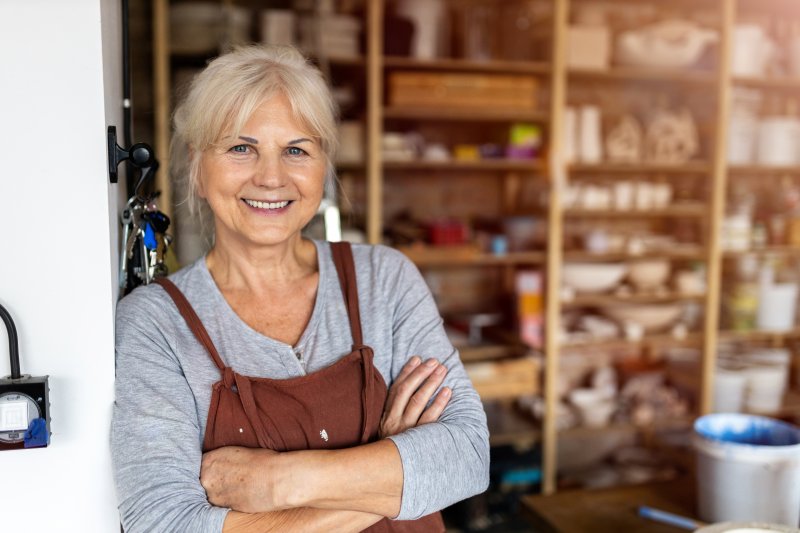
[729, 390]
[777, 305]
[590, 135]
[752, 50]
[777, 141]
[429, 26]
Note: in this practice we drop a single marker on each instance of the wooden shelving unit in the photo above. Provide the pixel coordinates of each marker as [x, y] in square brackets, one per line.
[693, 338]
[597, 300]
[690, 167]
[630, 75]
[462, 65]
[463, 115]
[488, 165]
[686, 252]
[766, 250]
[764, 170]
[553, 171]
[673, 211]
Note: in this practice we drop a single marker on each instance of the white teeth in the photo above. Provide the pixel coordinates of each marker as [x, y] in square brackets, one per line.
[267, 205]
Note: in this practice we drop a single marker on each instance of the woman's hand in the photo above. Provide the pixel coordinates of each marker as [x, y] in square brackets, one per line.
[244, 479]
[410, 393]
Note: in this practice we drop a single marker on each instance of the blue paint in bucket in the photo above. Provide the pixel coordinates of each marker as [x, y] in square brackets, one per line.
[747, 429]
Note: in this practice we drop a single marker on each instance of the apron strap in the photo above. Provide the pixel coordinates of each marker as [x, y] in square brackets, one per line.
[192, 320]
[251, 411]
[345, 268]
[366, 391]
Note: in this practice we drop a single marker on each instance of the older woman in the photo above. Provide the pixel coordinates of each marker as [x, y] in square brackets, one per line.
[251, 389]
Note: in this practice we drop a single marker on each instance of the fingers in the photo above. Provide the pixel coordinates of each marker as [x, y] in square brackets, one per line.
[419, 400]
[409, 367]
[436, 408]
[402, 389]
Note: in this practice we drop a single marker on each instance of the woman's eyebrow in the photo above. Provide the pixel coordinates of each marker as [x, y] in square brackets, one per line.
[298, 141]
[248, 139]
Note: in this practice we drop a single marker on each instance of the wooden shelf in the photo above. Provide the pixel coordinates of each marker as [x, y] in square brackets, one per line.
[766, 250]
[487, 352]
[488, 165]
[423, 258]
[626, 427]
[675, 211]
[761, 170]
[690, 167]
[597, 300]
[687, 253]
[463, 65]
[648, 340]
[779, 84]
[648, 75]
[463, 115]
[759, 335]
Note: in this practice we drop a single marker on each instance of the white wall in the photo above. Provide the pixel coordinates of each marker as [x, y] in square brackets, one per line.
[57, 252]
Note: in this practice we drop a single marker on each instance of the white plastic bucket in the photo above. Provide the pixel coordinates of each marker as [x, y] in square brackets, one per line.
[748, 468]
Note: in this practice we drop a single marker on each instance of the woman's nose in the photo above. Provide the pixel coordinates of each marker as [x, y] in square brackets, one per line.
[270, 173]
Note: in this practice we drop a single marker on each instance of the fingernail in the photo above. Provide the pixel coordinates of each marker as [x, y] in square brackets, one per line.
[439, 371]
[446, 392]
[431, 362]
[414, 361]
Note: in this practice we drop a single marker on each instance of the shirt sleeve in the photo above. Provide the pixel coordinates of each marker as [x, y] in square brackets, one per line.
[446, 461]
[155, 433]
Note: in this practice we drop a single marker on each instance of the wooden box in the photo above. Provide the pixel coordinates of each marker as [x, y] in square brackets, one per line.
[508, 378]
[459, 90]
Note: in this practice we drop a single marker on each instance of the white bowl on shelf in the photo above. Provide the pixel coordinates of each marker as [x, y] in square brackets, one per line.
[666, 44]
[649, 274]
[652, 317]
[593, 277]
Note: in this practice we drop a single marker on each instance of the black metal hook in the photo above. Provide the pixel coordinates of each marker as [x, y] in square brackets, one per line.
[140, 155]
[13, 342]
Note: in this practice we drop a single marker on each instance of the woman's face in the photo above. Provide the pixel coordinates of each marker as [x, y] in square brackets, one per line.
[265, 185]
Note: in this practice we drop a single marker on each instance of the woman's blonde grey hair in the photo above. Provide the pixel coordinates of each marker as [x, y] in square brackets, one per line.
[221, 98]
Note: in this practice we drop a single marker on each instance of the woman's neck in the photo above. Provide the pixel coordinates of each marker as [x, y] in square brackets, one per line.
[261, 269]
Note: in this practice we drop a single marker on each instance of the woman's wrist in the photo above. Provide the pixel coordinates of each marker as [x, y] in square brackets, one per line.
[366, 478]
[302, 477]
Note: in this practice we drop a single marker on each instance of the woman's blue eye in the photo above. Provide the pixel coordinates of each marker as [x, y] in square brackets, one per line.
[240, 149]
[293, 150]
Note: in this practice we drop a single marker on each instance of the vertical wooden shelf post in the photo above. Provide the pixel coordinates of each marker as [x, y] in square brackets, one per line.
[719, 177]
[374, 121]
[558, 179]
[161, 84]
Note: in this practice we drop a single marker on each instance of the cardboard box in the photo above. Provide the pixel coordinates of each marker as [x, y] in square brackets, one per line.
[588, 47]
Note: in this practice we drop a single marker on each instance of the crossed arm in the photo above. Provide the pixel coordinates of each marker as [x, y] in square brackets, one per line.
[315, 490]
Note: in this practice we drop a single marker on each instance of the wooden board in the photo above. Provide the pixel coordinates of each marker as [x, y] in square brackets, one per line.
[610, 510]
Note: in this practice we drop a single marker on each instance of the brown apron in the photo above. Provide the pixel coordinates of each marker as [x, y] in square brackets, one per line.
[337, 407]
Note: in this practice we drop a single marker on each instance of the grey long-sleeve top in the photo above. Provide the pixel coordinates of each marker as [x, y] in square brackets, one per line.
[164, 378]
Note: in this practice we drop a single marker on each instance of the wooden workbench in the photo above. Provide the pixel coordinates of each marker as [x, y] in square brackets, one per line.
[610, 510]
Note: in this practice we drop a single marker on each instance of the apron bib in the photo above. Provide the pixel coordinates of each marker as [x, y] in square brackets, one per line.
[339, 406]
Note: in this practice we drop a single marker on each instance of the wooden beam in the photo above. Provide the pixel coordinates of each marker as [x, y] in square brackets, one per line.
[374, 121]
[162, 103]
[719, 186]
[558, 180]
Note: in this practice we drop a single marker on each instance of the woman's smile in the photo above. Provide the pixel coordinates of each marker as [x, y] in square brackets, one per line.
[266, 207]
